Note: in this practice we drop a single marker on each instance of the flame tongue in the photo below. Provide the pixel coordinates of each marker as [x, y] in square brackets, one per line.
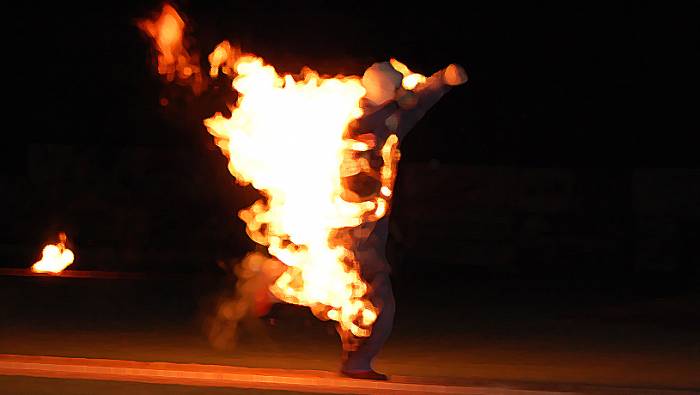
[54, 257]
[286, 137]
[174, 61]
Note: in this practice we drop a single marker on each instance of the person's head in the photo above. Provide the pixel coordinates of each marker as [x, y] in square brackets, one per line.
[381, 81]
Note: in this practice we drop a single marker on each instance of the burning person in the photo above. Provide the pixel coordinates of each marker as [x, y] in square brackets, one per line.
[389, 110]
[323, 153]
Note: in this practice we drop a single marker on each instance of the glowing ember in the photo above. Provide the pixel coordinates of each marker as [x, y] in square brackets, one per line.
[54, 257]
[410, 79]
[174, 62]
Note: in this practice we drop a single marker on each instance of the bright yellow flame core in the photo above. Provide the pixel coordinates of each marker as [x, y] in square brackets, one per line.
[286, 138]
[54, 257]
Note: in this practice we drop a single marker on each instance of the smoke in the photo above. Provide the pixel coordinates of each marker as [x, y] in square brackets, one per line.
[240, 307]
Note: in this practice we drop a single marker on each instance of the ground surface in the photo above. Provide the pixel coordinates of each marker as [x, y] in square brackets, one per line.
[41, 386]
[479, 335]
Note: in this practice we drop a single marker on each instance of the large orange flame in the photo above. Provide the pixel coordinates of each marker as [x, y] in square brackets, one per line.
[288, 137]
[54, 257]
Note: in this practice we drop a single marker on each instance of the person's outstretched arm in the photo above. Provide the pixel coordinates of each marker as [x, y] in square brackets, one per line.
[426, 95]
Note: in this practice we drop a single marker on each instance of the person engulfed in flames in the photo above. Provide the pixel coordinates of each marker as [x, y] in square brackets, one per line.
[390, 112]
[325, 230]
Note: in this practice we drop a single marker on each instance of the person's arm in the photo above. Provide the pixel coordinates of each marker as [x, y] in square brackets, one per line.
[426, 95]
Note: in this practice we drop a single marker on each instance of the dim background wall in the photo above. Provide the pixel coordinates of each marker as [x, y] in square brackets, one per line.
[155, 208]
[543, 219]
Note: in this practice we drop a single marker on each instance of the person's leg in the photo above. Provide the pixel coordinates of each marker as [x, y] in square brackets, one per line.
[382, 296]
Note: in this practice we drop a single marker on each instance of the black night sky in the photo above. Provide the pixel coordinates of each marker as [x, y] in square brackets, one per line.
[551, 85]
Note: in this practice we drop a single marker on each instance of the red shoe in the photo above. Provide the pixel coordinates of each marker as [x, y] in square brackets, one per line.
[364, 375]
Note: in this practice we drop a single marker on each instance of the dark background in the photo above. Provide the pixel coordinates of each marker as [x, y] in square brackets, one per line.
[546, 221]
[569, 159]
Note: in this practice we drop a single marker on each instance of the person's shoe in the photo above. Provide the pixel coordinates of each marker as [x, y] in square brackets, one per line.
[364, 374]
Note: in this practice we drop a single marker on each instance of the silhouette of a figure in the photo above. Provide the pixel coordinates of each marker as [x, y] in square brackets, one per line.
[388, 109]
